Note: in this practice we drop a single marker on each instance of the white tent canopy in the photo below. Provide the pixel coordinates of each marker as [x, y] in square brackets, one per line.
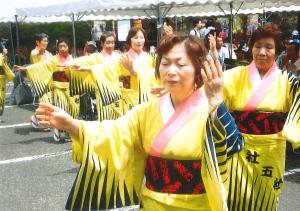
[8, 10]
[125, 9]
[128, 9]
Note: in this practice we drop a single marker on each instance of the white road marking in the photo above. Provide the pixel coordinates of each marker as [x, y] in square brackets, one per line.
[292, 171]
[15, 125]
[35, 157]
[12, 106]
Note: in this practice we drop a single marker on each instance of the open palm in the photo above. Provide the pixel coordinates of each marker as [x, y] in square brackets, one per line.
[51, 116]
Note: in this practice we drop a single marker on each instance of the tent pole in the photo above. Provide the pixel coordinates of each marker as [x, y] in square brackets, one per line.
[12, 42]
[231, 31]
[298, 20]
[159, 23]
[264, 19]
[74, 36]
[18, 41]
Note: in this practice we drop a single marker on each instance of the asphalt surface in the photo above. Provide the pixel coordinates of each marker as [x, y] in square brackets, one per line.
[36, 173]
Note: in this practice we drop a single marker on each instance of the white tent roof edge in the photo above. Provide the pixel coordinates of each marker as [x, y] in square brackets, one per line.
[136, 7]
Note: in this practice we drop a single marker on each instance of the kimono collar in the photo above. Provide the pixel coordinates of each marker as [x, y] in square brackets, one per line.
[44, 55]
[178, 119]
[105, 54]
[261, 86]
[134, 55]
[64, 60]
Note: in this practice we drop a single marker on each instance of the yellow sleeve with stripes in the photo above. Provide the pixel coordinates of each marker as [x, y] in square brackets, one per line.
[112, 162]
[40, 75]
[291, 129]
[227, 138]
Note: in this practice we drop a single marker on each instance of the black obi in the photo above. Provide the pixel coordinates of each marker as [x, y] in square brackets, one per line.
[259, 122]
[174, 176]
[60, 76]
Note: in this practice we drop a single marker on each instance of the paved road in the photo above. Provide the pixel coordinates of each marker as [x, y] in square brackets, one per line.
[37, 173]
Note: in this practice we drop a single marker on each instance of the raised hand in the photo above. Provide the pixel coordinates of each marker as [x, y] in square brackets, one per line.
[167, 30]
[127, 62]
[212, 76]
[213, 47]
[51, 116]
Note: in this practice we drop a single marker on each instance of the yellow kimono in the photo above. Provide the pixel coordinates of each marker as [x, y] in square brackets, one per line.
[114, 99]
[5, 75]
[103, 80]
[256, 173]
[36, 57]
[136, 89]
[52, 84]
[186, 174]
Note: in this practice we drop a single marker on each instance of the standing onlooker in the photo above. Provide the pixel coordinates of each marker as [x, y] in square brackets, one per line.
[296, 66]
[198, 28]
[222, 52]
[241, 58]
[90, 48]
[288, 57]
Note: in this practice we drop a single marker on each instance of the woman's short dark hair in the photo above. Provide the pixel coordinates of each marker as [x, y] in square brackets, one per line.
[195, 21]
[132, 32]
[40, 36]
[195, 50]
[269, 30]
[105, 35]
[65, 40]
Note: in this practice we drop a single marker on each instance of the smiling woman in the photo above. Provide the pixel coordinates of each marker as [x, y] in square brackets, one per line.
[264, 101]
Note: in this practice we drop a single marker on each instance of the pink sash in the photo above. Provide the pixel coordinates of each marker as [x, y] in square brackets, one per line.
[182, 114]
[134, 55]
[105, 54]
[64, 60]
[260, 86]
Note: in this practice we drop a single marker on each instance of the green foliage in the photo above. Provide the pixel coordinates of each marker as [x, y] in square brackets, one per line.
[4, 30]
[54, 30]
[287, 22]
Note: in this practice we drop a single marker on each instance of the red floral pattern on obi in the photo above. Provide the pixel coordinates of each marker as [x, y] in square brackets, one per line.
[60, 76]
[174, 176]
[259, 122]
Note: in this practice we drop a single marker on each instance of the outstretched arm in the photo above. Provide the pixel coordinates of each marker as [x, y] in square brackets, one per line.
[52, 116]
[20, 68]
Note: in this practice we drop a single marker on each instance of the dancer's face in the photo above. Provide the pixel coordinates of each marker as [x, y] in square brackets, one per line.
[109, 44]
[263, 53]
[177, 71]
[43, 43]
[138, 41]
[63, 49]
